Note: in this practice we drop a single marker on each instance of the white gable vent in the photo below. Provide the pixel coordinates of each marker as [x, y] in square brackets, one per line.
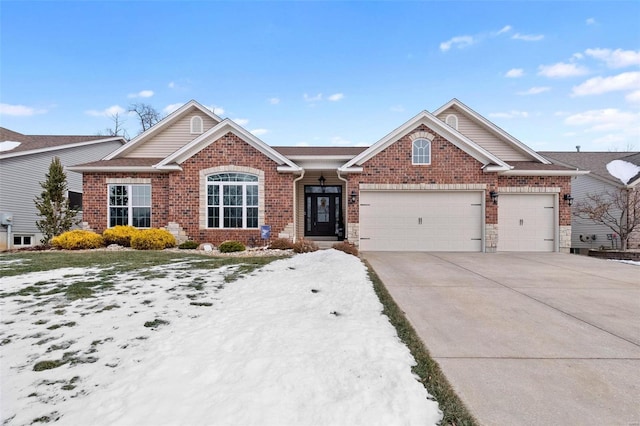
[452, 121]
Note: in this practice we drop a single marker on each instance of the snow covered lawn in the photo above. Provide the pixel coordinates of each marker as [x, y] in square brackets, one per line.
[301, 341]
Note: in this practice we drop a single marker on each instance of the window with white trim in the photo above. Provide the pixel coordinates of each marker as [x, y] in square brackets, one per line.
[22, 240]
[232, 200]
[452, 121]
[196, 125]
[421, 151]
[130, 205]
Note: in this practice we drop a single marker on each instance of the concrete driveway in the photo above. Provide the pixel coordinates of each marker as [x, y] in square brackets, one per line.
[526, 338]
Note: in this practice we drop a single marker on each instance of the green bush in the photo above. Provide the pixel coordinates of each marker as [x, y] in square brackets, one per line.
[231, 246]
[152, 239]
[281, 244]
[77, 240]
[189, 245]
[346, 247]
[120, 235]
[304, 246]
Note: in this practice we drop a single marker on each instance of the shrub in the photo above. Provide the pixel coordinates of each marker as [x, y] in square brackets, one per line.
[346, 247]
[281, 244]
[189, 245]
[120, 235]
[231, 246]
[152, 239]
[304, 246]
[77, 240]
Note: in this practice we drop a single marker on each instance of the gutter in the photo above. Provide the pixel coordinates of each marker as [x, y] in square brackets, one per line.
[295, 206]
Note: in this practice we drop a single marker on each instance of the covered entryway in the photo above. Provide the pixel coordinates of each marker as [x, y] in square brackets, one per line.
[527, 222]
[323, 211]
[421, 220]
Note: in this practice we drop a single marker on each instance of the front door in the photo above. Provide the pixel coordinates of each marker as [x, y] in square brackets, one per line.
[323, 211]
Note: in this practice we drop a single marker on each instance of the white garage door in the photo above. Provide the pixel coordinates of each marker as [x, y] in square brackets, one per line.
[420, 221]
[526, 222]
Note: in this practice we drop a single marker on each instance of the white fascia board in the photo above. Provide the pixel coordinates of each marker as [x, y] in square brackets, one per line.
[492, 127]
[131, 169]
[342, 158]
[61, 147]
[165, 122]
[345, 169]
[494, 168]
[217, 132]
[544, 172]
[288, 169]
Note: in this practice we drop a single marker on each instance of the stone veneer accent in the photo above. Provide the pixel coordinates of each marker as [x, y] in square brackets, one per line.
[565, 239]
[353, 233]
[490, 237]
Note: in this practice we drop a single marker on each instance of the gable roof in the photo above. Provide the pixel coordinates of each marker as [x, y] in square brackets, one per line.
[491, 127]
[161, 125]
[426, 118]
[33, 144]
[596, 162]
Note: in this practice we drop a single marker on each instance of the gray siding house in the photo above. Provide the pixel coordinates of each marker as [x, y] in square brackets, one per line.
[586, 234]
[24, 162]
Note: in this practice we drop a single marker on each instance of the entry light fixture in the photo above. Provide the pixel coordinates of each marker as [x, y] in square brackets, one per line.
[568, 198]
[353, 197]
[494, 196]
[322, 180]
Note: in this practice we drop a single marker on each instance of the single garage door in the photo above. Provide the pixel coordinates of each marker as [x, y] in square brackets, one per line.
[526, 222]
[420, 221]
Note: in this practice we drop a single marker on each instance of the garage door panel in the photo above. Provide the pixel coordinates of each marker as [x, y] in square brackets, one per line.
[526, 222]
[421, 221]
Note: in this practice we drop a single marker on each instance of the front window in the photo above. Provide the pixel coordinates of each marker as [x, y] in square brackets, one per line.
[421, 151]
[232, 200]
[22, 240]
[130, 205]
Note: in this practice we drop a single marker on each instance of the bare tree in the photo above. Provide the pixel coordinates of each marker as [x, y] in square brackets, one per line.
[118, 126]
[618, 209]
[147, 115]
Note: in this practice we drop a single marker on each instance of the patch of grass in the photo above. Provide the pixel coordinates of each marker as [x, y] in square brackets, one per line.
[84, 289]
[201, 303]
[155, 323]
[241, 270]
[59, 312]
[41, 321]
[454, 411]
[66, 324]
[48, 364]
[108, 308]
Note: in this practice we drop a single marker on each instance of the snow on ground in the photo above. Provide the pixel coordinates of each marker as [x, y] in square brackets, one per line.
[301, 341]
[630, 262]
[622, 170]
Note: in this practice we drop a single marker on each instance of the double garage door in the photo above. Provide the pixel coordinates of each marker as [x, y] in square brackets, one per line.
[453, 221]
[420, 221]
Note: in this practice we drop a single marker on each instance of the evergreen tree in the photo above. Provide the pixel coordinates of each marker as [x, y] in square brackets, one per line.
[53, 204]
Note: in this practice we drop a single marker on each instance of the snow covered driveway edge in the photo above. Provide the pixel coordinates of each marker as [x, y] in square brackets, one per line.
[301, 341]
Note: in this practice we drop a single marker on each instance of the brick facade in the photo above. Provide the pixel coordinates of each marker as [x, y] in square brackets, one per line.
[176, 195]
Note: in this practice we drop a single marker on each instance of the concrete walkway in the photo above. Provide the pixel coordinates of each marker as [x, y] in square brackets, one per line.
[526, 338]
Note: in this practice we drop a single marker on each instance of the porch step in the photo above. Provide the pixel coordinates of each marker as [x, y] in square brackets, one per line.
[324, 245]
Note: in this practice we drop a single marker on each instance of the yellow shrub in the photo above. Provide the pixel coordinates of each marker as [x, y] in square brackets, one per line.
[152, 239]
[120, 235]
[77, 240]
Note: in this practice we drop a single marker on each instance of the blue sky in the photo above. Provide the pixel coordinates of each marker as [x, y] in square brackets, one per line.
[553, 74]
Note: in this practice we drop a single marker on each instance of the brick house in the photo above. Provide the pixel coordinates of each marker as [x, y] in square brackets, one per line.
[444, 181]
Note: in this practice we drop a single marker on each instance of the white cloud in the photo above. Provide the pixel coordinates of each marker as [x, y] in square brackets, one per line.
[397, 108]
[315, 98]
[510, 114]
[274, 101]
[615, 58]
[460, 42]
[336, 97]
[535, 90]
[19, 110]
[259, 132]
[108, 112]
[340, 141]
[515, 73]
[141, 94]
[241, 121]
[590, 21]
[504, 29]
[171, 107]
[601, 120]
[216, 109]
[303, 143]
[633, 97]
[171, 85]
[561, 69]
[600, 85]
[527, 37]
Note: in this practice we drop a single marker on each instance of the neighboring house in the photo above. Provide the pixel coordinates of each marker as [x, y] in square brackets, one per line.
[24, 162]
[428, 185]
[585, 233]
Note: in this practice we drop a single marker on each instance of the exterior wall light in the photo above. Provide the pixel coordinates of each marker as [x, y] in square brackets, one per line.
[322, 180]
[494, 196]
[568, 198]
[353, 197]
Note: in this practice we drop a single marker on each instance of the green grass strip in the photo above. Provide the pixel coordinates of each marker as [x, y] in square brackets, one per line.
[455, 413]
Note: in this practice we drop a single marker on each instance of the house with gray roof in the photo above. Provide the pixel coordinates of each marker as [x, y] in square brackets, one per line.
[24, 162]
[586, 234]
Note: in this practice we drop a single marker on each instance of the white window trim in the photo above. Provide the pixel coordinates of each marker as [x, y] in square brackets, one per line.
[22, 237]
[130, 205]
[413, 155]
[452, 121]
[199, 129]
[221, 206]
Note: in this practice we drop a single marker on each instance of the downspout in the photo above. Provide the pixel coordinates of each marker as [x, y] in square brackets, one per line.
[295, 206]
[346, 210]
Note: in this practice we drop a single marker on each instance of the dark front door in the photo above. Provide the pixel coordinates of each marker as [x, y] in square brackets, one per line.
[322, 210]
